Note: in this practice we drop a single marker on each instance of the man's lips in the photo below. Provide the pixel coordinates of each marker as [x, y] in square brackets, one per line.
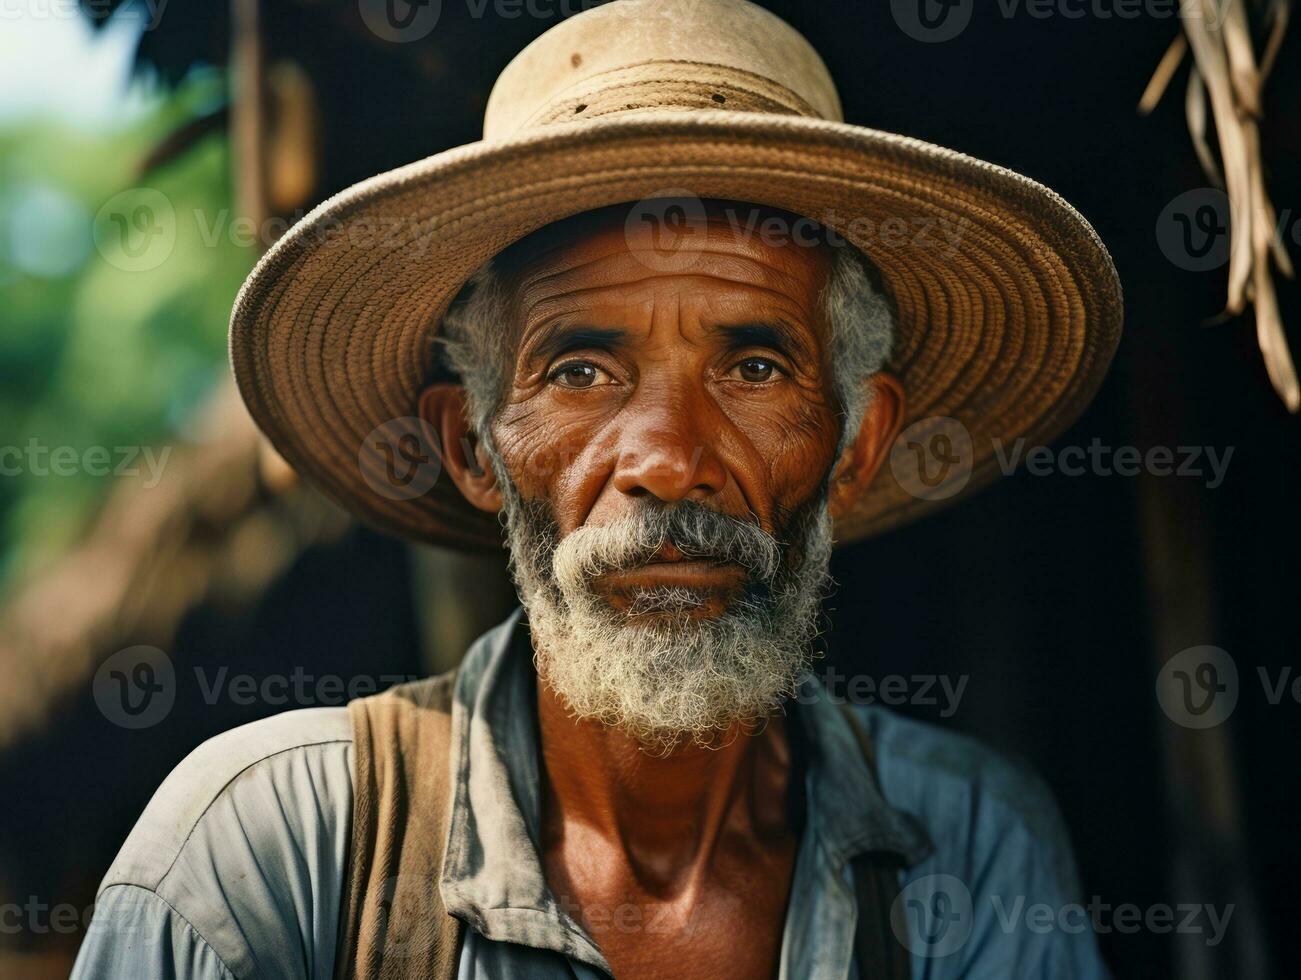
[670, 567]
[684, 574]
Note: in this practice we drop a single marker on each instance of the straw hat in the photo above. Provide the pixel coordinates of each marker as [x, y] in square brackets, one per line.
[1008, 304]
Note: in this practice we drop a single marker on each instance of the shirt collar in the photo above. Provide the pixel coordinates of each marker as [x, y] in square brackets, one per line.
[845, 805]
[492, 874]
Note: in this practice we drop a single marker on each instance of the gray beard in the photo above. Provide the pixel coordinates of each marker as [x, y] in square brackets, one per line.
[655, 671]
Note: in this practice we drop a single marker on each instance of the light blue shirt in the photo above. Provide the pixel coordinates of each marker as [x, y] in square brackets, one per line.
[235, 870]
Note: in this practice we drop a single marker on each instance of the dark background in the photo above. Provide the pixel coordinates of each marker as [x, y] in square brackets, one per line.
[1058, 597]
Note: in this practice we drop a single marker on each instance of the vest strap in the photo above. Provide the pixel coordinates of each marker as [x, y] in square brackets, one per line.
[392, 922]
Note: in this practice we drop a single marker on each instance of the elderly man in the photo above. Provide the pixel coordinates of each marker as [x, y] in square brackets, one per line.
[674, 407]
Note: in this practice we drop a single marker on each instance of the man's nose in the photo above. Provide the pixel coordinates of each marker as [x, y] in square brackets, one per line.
[669, 453]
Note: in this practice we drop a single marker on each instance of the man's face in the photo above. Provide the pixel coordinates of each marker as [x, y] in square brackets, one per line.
[664, 447]
[634, 386]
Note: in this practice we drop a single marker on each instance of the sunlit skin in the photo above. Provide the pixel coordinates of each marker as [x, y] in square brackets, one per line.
[708, 382]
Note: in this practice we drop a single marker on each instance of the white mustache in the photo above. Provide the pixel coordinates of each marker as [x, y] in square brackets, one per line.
[697, 531]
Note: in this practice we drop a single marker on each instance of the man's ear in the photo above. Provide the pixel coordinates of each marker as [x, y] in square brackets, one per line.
[863, 457]
[442, 407]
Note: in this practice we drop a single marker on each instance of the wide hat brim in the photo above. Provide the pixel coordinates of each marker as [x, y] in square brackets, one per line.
[1009, 308]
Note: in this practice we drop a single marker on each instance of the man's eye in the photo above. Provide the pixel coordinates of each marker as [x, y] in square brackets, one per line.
[755, 370]
[577, 374]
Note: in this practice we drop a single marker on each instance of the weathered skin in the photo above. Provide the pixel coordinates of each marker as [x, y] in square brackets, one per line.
[684, 859]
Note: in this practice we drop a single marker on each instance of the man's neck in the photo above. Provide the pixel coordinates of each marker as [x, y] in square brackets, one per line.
[667, 814]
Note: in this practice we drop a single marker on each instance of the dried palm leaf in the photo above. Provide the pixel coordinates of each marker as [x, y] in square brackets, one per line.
[1243, 73]
[1276, 16]
[1227, 76]
[1199, 126]
[1165, 70]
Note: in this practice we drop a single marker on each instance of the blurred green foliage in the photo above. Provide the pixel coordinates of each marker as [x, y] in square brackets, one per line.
[115, 291]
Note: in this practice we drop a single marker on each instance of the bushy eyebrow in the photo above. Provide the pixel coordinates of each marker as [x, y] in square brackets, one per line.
[561, 339]
[775, 334]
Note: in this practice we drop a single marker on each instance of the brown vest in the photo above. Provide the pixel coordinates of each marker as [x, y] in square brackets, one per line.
[392, 922]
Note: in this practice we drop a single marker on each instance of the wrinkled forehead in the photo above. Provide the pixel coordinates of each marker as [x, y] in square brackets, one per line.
[678, 237]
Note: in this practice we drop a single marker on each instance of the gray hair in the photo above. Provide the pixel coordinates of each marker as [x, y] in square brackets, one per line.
[477, 339]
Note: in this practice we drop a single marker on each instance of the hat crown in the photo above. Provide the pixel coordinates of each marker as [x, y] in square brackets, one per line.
[632, 56]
